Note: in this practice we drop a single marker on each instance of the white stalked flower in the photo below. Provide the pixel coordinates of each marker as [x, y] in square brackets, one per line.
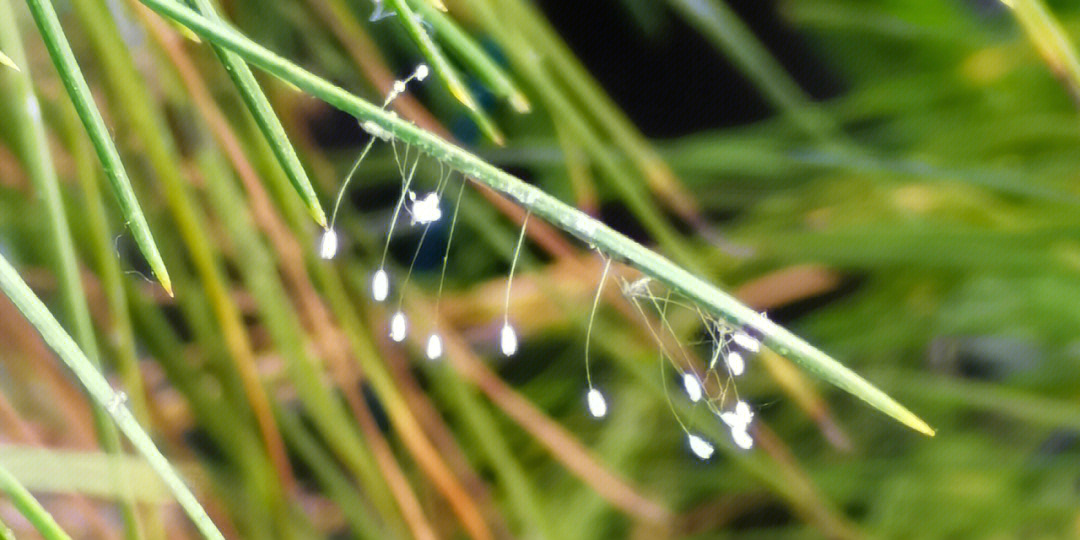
[328, 246]
[422, 72]
[735, 363]
[434, 347]
[425, 210]
[597, 403]
[693, 387]
[744, 340]
[380, 285]
[398, 327]
[508, 340]
[701, 448]
[742, 439]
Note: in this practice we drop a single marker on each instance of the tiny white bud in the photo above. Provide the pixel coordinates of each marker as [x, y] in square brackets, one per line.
[422, 72]
[434, 347]
[744, 340]
[735, 363]
[742, 438]
[398, 327]
[380, 285]
[508, 340]
[693, 387]
[701, 448]
[597, 403]
[743, 411]
[399, 87]
[328, 246]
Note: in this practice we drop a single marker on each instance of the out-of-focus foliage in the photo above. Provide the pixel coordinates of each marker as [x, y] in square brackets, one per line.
[920, 226]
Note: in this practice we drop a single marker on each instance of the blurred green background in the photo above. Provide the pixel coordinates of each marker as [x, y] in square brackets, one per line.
[895, 181]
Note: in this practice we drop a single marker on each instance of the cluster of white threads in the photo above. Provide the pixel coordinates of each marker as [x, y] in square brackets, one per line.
[739, 421]
[425, 210]
[329, 244]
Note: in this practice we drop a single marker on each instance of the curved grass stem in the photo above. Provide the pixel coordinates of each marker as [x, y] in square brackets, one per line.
[560, 214]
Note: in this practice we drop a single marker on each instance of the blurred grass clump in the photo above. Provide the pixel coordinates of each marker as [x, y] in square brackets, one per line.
[920, 226]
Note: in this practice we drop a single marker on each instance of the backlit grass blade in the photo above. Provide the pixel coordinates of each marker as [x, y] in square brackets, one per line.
[101, 393]
[449, 75]
[554, 211]
[6, 61]
[1050, 39]
[493, 75]
[75, 84]
[28, 506]
[267, 121]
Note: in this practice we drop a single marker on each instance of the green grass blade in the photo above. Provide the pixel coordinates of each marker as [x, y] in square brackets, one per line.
[480, 62]
[1051, 40]
[75, 84]
[5, 60]
[28, 506]
[554, 211]
[441, 65]
[34, 150]
[267, 121]
[101, 393]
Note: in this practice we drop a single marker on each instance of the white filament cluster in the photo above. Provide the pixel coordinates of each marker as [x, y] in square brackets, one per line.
[398, 327]
[693, 386]
[739, 421]
[700, 447]
[508, 340]
[425, 210]
[597, 403]
[329, 244]
[434, 347]
[380, 285]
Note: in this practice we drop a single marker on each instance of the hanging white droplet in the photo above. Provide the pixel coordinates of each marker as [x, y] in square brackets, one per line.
[398, 327]
[740, 418]
[744, 340]
[422, 72]
[328, 246]
[701, 448]
[508, 340]
[742, 439]
[434, 347]
[425, 210]
[597, 403]
[693, 387]
[735, 363]
[380, 285]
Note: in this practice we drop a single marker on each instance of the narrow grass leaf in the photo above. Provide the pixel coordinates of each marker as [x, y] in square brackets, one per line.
[101, 393]
[410, 20]
[28, 506]
[267, 121]
[556, 212]
[64, 59]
